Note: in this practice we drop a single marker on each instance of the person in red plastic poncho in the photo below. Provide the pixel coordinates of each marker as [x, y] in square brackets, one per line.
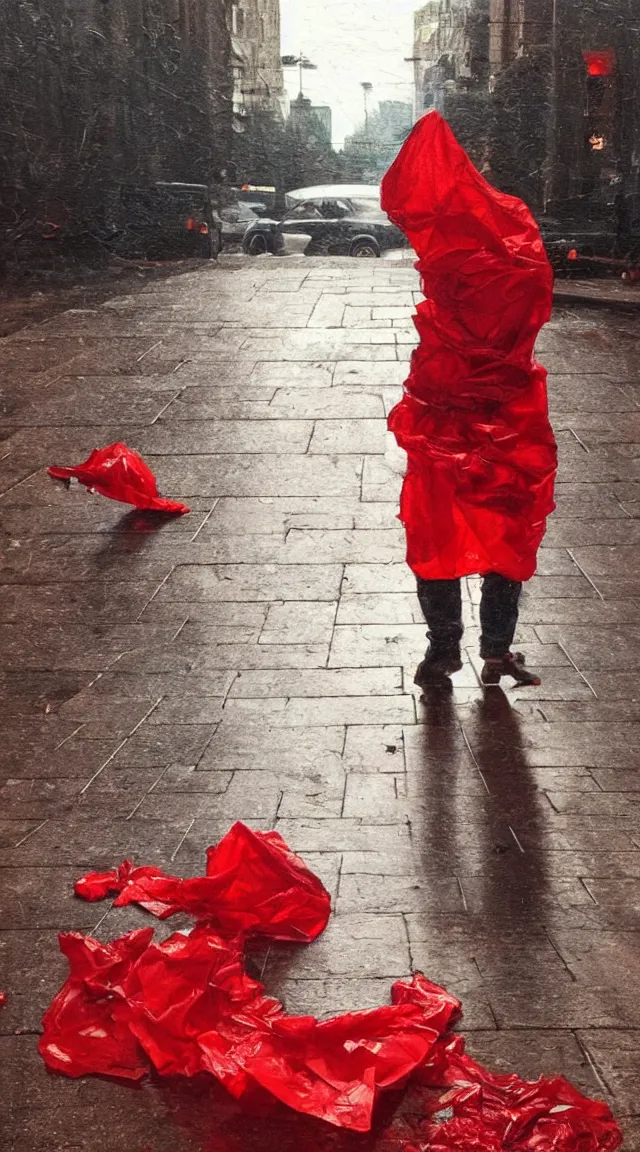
[473, 418]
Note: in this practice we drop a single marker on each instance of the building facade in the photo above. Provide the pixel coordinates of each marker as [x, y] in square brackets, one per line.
[589, 54]
[311, 121]
[509, 29]
[323, 113]
[258, 82]
[95, 94]
[441, 52]
[544, 93]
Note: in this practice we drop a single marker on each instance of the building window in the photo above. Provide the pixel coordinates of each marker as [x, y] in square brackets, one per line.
[238, 92]
[237, 20]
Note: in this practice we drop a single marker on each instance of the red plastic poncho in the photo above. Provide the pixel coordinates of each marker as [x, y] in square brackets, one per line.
[120, 474]
[473, 419]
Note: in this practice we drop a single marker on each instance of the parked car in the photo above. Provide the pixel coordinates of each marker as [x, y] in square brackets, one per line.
[263, 193]
[164, 221]
[324, 191]
[590, 249]
[328, 222]
[236, 218]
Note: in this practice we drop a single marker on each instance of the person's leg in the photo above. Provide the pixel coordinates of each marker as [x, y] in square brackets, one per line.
[498, 621]
[441, 603]
[498, 615]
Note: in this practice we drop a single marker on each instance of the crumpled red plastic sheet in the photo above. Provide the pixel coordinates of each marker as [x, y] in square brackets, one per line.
[473, 420]
[467, 1107]
[254, 885]
[3, 999]
[187, 1006]
[120, 474]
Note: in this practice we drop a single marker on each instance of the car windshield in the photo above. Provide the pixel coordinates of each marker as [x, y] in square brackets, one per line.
[369, 208]
[306, 211]
[336, 209]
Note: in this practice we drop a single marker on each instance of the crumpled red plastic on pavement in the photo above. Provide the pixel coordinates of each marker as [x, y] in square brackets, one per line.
[187, 1006]
[3, 999]
[120, 474]
[473, 419]
[254, 885]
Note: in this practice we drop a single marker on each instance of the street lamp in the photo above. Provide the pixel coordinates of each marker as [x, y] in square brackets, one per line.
[415, 60]
[300, 62]
[367, 89]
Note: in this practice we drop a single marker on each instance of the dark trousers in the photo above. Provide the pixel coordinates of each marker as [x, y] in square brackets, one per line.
[441, 603]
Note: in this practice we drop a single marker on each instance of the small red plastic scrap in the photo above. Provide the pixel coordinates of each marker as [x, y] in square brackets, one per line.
[98, 885]
[3, 999]
[132, 885]
[120, 474]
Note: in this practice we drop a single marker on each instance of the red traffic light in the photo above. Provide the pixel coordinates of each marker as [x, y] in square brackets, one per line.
[602, 63]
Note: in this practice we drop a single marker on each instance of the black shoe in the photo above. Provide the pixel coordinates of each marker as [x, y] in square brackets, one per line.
[510, 665]
[437, 666]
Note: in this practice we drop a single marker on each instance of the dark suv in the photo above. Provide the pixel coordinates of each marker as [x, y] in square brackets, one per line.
[328, 224]
[162, 221]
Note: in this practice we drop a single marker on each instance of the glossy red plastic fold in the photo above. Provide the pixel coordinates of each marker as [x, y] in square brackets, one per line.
[187, 1006]
[473, 419]
[472, 1108]
[120, 474]
[254, 885]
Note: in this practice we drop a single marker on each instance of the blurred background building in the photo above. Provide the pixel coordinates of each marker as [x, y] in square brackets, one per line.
[257, 69]
[543, 93]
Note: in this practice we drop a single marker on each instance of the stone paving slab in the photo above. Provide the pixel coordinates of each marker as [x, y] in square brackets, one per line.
[254, 661]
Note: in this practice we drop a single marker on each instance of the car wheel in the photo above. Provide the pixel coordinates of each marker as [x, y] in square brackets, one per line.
[364, 249]
[257, 245]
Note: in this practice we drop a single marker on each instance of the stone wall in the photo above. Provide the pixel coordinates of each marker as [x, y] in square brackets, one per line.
[96, 92]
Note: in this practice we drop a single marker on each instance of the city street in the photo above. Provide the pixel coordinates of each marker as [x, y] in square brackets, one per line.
[254, 661]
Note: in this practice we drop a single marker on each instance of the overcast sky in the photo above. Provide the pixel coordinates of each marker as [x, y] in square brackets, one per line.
[351, 41]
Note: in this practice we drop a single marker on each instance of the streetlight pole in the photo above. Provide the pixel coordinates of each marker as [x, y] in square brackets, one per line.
[366, 90]
[415, 60]
[300, 62]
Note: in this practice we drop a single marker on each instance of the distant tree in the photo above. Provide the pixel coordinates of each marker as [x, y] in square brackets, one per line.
[374, 146]
[285, 155]
[468, 108]
[99, 94]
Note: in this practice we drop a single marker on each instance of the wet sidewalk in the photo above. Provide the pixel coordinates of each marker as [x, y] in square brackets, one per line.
[254, 661]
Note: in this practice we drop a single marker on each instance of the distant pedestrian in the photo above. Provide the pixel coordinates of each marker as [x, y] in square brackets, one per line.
[473, 420]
